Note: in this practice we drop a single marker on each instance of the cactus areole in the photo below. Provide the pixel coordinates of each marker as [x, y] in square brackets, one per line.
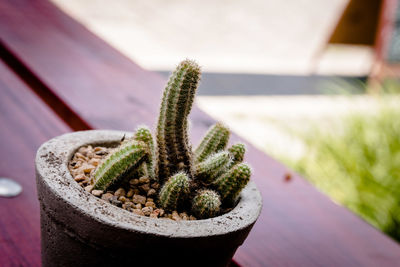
[211, 182]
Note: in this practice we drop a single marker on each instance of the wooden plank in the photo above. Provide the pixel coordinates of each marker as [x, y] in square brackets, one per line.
[298, 225]
[25, 123]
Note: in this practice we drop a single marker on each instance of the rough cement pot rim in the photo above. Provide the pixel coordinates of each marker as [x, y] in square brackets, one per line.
[52, 167]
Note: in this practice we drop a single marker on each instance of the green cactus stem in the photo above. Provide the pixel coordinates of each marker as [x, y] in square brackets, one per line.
[174, 150]
[216, 139]
[143, 134]
[123, 160]
[237, 152]
[232, 182]
[213, 166]
[206, 204]
[175, 191]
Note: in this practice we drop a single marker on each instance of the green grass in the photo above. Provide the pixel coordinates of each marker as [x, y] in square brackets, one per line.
[358, 165]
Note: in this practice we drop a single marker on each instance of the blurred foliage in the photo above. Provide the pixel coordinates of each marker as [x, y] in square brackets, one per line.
[358, 165]
[335, 86]
[390, 86]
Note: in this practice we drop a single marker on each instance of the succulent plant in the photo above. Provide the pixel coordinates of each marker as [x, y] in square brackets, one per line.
[232, 182]
[143, 134]
[216, 139]
[213, 166]
[121, 161]
[237, 152]
[174, 191]
[205, 181]
[174, 149]
[206, 204]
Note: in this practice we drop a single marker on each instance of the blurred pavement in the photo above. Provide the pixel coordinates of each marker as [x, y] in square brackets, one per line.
[244, 37]
[236, 36]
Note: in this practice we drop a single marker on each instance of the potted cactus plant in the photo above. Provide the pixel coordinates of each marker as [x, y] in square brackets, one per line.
[110, 198]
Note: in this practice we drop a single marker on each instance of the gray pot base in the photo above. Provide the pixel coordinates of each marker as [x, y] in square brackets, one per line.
[79, 229]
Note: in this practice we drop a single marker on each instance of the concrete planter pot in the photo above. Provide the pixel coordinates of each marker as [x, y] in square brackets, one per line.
[79, 229]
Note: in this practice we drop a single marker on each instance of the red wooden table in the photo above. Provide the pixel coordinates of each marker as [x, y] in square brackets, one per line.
[56, 76]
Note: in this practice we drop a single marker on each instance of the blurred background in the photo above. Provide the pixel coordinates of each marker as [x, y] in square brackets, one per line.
[314, 83]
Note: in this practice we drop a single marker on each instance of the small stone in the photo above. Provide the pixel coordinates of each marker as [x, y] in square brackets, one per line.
[184, 216]
[151, 192]
[136, 191]
[147, 211]
[82, 151]
[130, 193]
[89, 188]
[138, 211]
[80, 156]
[79, 172]
[150, 204]
[192, 218]
[139, 206]
[156, 213]
[80, 178]
[150, 199]
[107, 196]
[139, 199]
[175, 216]
[114, 200]
[87, 168]
[120, 192]
[134, 181]
[144, 180]
[122, 199]
[181, 165]
[97, 193]
[145, 187]
[155, 185]
[77, 165]
[129, 204]
[100, 151]
[94, 162]
[162, 212]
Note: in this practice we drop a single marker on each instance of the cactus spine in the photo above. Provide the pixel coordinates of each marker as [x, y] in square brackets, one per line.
[174, 150]
[237, 152]
[213, 166]
[143, 134]
[232, 182]
[206, 204]
[118, 163]
[174, 191]
[215, 140]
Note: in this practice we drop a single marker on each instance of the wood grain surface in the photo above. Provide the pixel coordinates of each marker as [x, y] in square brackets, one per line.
[25, 123]
[298, 225]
